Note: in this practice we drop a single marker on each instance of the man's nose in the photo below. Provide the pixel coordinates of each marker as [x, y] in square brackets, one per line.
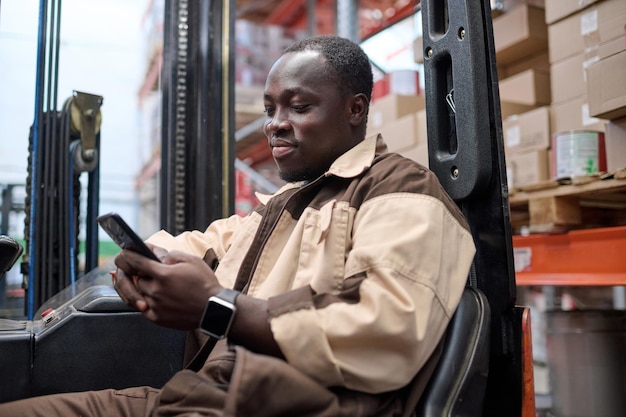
[276, 124]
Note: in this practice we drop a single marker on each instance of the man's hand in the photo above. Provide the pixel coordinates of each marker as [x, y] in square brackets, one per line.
[172, 293]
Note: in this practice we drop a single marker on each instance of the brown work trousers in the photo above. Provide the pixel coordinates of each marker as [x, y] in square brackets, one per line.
[232, 383]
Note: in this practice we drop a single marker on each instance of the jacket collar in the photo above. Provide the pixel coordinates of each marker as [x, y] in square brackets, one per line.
[357, 159]
[349, 165]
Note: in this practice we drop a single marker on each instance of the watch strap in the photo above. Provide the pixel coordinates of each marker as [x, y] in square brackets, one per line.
[227, 294]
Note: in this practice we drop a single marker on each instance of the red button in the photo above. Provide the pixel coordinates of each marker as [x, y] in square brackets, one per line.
[48, 311]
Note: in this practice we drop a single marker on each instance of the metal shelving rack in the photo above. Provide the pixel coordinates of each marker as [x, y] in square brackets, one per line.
[590, 253]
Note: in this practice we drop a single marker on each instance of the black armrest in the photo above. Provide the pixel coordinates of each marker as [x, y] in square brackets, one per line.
[100, 299]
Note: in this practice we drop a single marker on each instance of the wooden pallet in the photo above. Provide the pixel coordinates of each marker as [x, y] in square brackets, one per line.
[572, 203]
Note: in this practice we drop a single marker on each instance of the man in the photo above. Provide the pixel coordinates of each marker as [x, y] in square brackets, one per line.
[343, 281]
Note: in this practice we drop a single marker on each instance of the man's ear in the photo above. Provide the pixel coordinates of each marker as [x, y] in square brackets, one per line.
[358, 109]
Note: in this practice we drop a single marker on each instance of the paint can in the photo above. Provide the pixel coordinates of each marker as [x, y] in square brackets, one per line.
[578, 153]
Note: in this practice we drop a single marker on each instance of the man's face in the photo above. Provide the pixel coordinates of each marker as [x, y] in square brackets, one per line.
[308, 118]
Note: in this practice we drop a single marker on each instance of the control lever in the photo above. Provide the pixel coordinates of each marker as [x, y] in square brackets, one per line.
[10, 251]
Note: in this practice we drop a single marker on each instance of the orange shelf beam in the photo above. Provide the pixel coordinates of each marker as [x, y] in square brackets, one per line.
[593, 257]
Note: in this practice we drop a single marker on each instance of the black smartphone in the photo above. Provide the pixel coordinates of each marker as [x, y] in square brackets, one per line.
[123, 235]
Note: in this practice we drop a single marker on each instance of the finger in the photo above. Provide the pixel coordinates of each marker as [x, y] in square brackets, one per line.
[160, 252]
[121, 261]
[135, 264]
[148, 303]
[128, 291]
[150, 315]
[175, 256]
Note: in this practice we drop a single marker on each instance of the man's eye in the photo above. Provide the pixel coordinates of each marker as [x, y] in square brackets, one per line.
[299, 107]
[269, 111]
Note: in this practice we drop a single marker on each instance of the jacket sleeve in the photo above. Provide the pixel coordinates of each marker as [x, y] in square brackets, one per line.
[217, 237]
[405, 270]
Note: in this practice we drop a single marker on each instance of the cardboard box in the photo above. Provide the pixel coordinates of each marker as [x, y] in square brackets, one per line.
[422, 129]
[418, 50]
[400, 134]
[519, 33]
[587, 29]
[508, 109]
[539, 62]
[528, 168]
[529, 87]
[508, 5]
[418, 153]
[574, 115]
[391, 107]
[558, 9]
[615, 142]
[404, 82]
[612, 47]
[606, 87]
[568, 77]
[527, 131]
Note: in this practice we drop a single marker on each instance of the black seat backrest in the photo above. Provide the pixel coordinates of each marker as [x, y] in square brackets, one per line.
[10, 251]
[457, 386]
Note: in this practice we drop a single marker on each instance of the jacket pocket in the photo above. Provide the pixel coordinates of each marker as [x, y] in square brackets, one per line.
[325, 237]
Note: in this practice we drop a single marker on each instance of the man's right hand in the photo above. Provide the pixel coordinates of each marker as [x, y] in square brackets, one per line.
[171, 293]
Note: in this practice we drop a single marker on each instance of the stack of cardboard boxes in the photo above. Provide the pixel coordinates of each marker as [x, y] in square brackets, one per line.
[606, 76]
[401, 119]
[587, 40]
[587, 83]
[521, 45]
[561, 68]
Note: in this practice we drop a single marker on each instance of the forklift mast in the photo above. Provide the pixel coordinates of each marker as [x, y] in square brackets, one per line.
[466, 152]
[198, 159]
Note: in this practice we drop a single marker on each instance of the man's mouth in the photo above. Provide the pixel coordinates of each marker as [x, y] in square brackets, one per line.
[281, 151]
[281, 148]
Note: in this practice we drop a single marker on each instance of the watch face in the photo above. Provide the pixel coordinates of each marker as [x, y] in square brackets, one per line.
[216, 319]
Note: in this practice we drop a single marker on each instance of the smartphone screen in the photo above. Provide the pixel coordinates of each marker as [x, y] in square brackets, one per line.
[123, 235]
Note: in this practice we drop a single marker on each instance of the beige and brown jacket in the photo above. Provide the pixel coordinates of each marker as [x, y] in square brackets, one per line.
[363, 267]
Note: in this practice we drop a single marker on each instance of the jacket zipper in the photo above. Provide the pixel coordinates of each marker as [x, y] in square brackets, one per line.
[271, 230]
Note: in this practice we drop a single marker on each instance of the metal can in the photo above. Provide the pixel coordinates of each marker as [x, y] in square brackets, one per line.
[578, 153]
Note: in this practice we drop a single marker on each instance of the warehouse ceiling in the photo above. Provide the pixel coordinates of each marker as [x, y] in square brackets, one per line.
[374, 15]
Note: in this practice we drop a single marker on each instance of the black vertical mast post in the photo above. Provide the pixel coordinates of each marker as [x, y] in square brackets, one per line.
[197, 171]
[466, 152]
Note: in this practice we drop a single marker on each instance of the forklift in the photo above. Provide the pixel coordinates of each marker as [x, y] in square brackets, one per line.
[70, 338]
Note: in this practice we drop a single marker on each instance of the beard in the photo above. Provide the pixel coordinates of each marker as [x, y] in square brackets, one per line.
[303, 174]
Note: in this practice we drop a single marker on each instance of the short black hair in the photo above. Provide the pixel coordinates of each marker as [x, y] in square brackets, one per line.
[346, 61]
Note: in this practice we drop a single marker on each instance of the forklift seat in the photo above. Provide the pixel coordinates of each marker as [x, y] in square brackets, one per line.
[10, 251]
[457, 386]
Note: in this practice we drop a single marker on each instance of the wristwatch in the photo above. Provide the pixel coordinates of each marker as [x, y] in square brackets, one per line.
[219, 313]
